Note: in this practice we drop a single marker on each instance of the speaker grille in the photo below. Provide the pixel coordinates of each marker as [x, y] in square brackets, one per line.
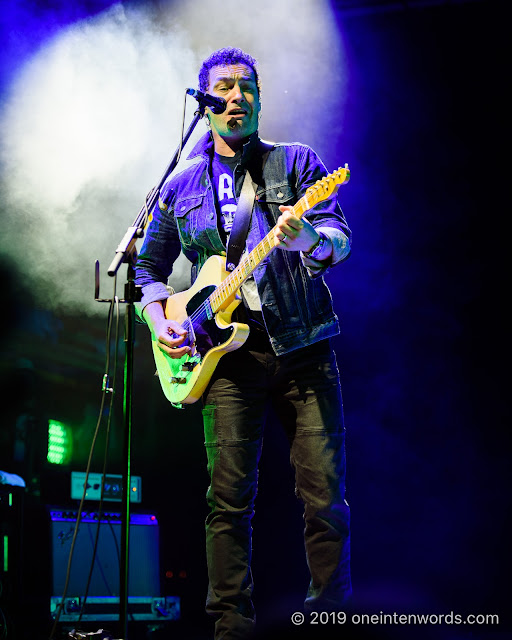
[144, 556]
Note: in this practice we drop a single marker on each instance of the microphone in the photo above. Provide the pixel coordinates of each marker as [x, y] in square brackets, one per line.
[217, 105]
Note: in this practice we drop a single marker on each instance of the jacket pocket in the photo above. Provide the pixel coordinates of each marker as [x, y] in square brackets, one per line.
[187, 212]
[184, 206]
[280, 194]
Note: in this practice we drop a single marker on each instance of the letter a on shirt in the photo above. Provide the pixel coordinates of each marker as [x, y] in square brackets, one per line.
[225, 187]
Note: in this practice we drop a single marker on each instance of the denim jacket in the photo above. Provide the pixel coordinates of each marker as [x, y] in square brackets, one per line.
[296, 302]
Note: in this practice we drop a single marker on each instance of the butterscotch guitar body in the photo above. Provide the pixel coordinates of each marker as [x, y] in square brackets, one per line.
[211, 335]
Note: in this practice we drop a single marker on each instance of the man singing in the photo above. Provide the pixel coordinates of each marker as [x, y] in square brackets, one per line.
[287, 361]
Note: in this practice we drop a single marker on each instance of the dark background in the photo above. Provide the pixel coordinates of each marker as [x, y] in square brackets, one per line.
[423, 353]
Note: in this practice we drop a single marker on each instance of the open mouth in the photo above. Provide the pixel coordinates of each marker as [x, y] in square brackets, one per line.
[237, 112]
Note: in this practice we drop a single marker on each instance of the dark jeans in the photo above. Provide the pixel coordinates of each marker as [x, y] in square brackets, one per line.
[303, 388]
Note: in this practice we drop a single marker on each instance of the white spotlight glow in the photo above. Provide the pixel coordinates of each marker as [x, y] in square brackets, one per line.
[92, 120]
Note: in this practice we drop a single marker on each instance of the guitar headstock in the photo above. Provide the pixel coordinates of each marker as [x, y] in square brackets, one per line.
[326, 187]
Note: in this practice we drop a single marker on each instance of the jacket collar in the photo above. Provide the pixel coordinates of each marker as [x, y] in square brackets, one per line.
[204, 147]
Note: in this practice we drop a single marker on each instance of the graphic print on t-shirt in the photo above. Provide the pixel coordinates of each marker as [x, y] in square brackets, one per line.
[227, 202]
[223, 168]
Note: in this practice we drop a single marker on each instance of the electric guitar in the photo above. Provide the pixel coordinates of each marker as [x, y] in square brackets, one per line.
[205, 309]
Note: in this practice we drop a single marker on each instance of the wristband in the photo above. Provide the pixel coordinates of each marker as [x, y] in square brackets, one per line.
[317, 248]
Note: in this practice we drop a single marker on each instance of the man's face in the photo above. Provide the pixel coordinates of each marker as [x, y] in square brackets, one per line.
[236, 83]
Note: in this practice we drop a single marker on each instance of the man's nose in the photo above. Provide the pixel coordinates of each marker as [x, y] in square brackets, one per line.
[237, 93]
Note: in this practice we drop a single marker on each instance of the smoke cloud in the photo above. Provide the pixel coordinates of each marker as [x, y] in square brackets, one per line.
[92, 119]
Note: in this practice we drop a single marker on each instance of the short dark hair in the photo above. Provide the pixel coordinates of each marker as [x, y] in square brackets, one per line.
[228, 55]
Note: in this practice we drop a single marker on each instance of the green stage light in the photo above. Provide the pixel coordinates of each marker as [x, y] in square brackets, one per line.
[60, 442]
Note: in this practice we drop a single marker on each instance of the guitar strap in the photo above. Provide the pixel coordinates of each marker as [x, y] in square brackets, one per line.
[245, 205]
[241, 221]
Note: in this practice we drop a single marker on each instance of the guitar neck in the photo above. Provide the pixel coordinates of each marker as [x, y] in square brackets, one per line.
[249, 262]
[321, 190]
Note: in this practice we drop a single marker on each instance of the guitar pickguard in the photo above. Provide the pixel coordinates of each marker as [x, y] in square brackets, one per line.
[207, 333]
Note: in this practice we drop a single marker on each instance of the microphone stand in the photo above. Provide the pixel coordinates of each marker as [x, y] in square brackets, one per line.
[126, 252]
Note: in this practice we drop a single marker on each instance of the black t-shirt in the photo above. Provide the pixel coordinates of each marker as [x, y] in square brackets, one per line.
[224, 184]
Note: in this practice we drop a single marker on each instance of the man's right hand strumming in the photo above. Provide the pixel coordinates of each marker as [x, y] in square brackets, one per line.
[169, 334]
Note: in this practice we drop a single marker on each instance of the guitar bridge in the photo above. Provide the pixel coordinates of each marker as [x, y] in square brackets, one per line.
[188, 366]
[176, 380]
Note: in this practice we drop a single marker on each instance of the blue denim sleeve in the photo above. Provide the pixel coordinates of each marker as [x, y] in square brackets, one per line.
[326, 216]
[160, 249]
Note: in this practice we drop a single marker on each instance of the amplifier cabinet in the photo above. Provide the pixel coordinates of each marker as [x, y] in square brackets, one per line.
[144, 554]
